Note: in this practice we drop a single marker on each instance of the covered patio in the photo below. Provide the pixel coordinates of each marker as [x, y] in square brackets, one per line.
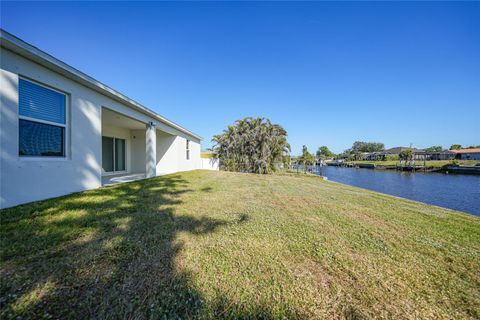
[132, 150]
[108, 180]
[123, 148]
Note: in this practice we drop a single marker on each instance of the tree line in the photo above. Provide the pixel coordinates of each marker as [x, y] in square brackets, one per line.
[256, 145]
[360, 147]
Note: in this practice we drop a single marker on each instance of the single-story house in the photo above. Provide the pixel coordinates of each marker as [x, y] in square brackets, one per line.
[467, 154]
[375, 156]
[398, 150]
[437, 155]
[63, 131]
[382, 155]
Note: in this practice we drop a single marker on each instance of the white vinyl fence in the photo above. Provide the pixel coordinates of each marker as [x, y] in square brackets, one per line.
[210, 163]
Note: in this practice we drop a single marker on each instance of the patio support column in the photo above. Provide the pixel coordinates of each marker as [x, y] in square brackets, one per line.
[151, 150]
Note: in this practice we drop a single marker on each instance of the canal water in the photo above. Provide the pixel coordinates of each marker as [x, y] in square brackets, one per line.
[458, 192]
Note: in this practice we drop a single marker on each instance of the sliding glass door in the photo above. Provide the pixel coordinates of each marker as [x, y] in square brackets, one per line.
[113, 154]
[107, 154]
[119, 154]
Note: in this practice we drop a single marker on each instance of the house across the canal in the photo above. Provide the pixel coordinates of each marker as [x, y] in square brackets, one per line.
[467, 154]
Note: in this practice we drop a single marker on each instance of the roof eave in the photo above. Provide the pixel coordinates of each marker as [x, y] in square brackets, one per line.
[30, 52]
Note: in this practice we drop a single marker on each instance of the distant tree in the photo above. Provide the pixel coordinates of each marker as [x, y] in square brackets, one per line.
[360, 146]
[251, 145]
[306, 158]
[323, 153]
[347, 154]
[406, 155]
[455, 147]
[344, 154]
[287, 160]
[472, 147]
[434, 149]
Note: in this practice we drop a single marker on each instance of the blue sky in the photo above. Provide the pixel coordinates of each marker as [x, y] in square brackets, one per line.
[330, 73]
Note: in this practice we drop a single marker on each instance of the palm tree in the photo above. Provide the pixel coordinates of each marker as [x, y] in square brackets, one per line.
[406, 155]
[251, 145]
[306, 159]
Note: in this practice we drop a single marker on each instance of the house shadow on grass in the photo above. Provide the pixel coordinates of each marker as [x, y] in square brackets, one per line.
[106, 253]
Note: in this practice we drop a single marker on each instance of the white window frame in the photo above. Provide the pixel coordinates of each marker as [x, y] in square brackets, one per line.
[187, 150]
[109, 173]
[66, 138]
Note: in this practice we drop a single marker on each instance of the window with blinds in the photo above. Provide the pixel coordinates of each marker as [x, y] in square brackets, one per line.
[42, 120]
[187, 149]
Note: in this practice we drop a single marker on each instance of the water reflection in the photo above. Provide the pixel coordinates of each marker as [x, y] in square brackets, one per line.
[458, 192]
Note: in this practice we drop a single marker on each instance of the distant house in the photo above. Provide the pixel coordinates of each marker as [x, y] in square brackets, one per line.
[441, 155]
[418, 154]
[382, 155]
[398, 150]
[467, 154]
[375, 156]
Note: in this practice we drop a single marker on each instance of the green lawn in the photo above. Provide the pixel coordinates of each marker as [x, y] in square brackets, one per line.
[428, 164]
[208, 244]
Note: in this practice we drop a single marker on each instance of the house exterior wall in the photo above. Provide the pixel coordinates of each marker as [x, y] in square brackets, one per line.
[194, 161]
[138, 148]
[439, 155]
[171, 154]
[29, 179]
[470, 156]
